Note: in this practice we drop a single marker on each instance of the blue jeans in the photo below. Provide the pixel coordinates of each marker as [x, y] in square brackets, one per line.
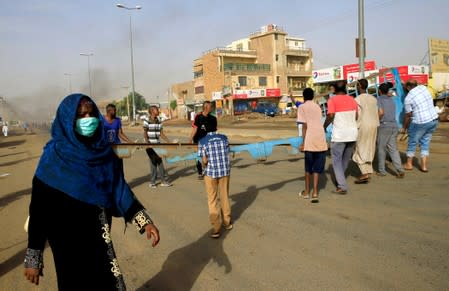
[420, 134]
[341, 153]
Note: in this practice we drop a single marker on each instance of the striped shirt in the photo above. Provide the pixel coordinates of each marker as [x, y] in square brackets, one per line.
[420, 103]
[215, 148]
[154, 128]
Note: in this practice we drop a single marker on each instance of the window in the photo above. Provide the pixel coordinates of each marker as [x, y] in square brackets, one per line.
[242, 80]
[278, 79]
[275, 36]
[198, 74]
[262, 81]
[277, 57]
[240, 47]
[199, 90]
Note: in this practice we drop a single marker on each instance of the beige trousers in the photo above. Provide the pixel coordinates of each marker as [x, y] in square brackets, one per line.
[218, 201]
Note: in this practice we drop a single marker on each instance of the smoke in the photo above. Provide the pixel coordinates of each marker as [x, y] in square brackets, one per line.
[41, 105]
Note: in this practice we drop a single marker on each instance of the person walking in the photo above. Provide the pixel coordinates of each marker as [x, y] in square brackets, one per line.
[153, 131]
[214, 152]
[387, 133]
[342, 113]
[5, 129]
[201, 122]
[420, 121]
[113, 126]
[367, 123]
[314, 143]
[78, 186]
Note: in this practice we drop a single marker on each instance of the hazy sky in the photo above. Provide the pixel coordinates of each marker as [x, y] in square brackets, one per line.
[41, 40]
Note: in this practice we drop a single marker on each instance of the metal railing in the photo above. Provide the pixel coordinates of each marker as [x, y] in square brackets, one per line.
[227, 50]
[247, 67]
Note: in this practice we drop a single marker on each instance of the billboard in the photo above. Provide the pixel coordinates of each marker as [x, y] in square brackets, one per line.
[418, 73]
[328, 74]
[276, 92]
[439, 55]
[217, 95]
[252, 93]
[355, 68]
[351, 77]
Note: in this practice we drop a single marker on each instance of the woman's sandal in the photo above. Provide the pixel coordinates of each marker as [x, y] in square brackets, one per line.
[314, 199]
[302, 194]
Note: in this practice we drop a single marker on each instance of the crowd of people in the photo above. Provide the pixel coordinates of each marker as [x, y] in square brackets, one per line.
[363, 126]
[79, 183]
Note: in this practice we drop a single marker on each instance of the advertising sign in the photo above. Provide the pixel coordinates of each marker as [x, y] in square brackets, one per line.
[418, 73]
[353, 68]
[273, 92]
[253, 93]
[240, 94]
[327, 75]
[217, 95]
[355, 76]
[439, 55]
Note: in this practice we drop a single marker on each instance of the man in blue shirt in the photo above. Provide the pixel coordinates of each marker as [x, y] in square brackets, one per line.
[214, 152]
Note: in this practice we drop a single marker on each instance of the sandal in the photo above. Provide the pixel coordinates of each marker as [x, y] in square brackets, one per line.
[362, 181]
[302, 194]
[314, 199]
[340, 191]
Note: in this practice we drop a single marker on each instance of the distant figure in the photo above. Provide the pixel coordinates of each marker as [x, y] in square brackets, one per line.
[367, 123]
[201, 123]
[5, 129]
[387, 133]
[332, 90]
[342, 113]
[153, 131]
[113, 126]
[214, 152]
[314, 143]
[78, 186]
[420, 120]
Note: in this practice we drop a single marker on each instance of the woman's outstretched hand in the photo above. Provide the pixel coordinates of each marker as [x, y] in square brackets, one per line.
[152, 231]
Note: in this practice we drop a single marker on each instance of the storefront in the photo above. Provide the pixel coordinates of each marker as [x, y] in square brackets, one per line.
[256, 100]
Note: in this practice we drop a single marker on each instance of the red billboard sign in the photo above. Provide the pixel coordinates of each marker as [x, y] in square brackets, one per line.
[385, 75]
[352, 68]
[273, 92]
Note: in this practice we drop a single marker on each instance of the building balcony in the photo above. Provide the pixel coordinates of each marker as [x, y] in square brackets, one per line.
[229, 52]
[298, 52]
[299, 71]
[198, 74]
[247, 68]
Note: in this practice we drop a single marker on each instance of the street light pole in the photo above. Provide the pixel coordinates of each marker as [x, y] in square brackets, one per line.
[361, 39]
[70, 81]
[88, 55]
[132, 54]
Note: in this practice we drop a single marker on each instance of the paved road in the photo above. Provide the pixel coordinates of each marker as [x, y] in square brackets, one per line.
[389, 234]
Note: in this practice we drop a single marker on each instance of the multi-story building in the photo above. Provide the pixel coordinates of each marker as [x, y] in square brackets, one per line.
[266, 65]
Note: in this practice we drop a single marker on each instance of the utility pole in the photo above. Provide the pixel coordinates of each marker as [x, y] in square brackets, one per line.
[361, 42]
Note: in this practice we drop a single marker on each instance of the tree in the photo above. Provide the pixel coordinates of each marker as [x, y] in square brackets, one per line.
[173, 104]
[122, 110]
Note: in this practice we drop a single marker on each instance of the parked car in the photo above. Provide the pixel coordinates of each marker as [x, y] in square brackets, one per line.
[267, 108]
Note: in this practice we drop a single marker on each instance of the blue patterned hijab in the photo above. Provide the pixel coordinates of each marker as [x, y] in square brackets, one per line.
[84, 168]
